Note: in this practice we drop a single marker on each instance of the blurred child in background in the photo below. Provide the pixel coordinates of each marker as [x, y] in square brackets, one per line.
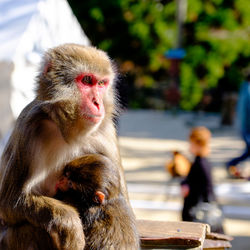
[197, 188]
[198, 185]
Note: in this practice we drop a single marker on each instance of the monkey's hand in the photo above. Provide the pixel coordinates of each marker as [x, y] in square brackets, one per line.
[61, 221]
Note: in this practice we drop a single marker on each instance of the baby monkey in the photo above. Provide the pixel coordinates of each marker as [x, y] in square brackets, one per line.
[92, 185]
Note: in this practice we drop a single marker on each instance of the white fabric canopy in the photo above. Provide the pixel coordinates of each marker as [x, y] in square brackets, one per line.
[27, 29]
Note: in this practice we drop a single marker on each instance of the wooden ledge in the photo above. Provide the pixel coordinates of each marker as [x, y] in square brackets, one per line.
[217, 241]
[216, 244]
[179, 235]
[216, 236]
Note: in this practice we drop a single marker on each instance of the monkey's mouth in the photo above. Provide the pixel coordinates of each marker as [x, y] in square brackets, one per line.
[93, 118]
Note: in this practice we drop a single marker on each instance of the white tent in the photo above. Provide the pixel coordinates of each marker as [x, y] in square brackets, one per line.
[27, 28]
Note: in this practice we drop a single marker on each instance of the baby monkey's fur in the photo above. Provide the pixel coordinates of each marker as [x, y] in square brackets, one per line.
[95, 190]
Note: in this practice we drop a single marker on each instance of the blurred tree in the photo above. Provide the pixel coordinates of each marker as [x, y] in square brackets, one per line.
[137, 33]
[217, 37]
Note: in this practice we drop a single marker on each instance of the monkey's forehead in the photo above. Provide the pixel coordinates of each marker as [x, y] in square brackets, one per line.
[83, 58]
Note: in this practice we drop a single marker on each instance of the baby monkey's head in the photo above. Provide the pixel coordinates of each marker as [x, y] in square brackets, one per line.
[93, 177]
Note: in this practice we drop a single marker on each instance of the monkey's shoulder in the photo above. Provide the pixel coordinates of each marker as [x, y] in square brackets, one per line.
[34, 121]
[33, 112]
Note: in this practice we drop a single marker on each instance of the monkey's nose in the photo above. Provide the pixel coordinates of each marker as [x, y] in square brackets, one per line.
[96, 104]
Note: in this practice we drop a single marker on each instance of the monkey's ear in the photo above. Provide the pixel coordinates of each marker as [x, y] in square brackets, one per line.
[47, 67]
[99, 197]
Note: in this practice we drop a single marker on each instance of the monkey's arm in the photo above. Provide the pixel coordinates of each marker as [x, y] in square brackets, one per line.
[59, 220]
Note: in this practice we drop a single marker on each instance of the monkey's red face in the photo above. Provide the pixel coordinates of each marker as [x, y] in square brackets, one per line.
[92, 89]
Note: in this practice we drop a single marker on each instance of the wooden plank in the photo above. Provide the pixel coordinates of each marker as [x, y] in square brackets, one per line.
[217, 236]
[167, 234]
[210, 244]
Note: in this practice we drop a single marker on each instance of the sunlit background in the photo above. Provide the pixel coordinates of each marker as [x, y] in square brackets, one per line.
[180, 64]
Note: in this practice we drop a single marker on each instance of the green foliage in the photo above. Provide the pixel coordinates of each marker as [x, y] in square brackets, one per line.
[217, 43]
[191, 92]
[137, 34]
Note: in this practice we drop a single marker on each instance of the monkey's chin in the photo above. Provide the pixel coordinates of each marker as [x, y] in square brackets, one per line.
[94, 119]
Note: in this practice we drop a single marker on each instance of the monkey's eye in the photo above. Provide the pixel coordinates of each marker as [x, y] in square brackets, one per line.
[87, 80]
[102, 83]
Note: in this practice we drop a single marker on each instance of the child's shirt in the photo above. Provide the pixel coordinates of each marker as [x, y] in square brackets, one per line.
[200, 182]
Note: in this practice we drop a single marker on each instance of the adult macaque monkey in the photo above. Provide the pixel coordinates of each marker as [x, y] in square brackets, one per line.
[71, 116]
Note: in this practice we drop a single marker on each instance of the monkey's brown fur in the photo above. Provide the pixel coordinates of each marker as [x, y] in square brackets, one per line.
[50, 132]
[107, 225]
